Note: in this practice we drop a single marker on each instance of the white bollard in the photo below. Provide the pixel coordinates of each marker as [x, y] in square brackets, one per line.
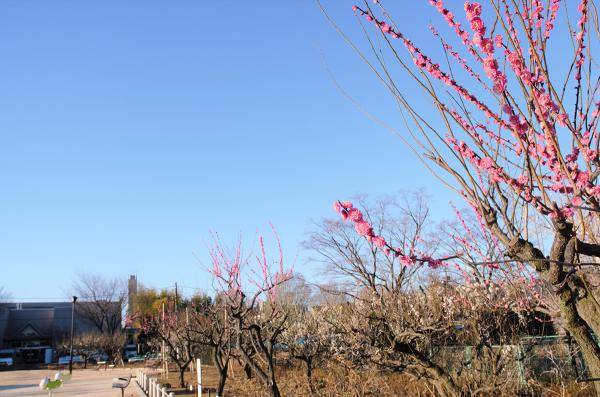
[199, 376]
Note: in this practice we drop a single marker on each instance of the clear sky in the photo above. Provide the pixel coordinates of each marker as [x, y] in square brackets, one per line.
[129, 129]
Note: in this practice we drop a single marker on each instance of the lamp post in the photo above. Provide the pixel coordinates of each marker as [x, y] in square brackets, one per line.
[72, 326]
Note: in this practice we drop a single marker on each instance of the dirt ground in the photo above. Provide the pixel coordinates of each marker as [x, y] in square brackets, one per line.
[84, 382]
[210, 378]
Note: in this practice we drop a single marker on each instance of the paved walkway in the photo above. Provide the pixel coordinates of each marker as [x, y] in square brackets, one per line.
[84, 382]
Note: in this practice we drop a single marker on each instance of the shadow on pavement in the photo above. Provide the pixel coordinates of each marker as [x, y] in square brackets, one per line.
[11, 387]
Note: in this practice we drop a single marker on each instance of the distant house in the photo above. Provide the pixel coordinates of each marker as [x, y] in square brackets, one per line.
[35, 329]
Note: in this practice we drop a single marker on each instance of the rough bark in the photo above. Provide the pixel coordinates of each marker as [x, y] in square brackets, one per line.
[443, 381]
[578, 307]
[222, 367]
[309, 379]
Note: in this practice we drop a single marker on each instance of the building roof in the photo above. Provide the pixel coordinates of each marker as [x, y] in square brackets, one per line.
[40, 320]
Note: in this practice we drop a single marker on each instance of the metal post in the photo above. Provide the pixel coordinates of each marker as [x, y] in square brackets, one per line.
[72, 326]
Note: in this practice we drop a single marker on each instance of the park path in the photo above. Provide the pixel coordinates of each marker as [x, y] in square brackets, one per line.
[88, 383]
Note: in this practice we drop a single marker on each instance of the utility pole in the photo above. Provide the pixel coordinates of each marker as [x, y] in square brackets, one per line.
[72, 327]
[164, 350]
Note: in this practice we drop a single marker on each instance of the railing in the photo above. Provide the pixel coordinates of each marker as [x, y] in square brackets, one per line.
[150, 386]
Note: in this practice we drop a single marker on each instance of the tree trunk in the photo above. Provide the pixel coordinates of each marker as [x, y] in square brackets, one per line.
[572, 299]
[222, 379]
[272, 382]
[309, 368]
[223, 369]
[444, 383]
[578, 308]
[247, 371]
[181, 377]
[274, 388]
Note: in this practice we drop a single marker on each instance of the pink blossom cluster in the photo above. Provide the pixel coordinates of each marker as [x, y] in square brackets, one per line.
[565, 176]
[536, 14]
[476, 136]
[449, 17]
[515, 58]
[551, 18]
[490, 64]
[424, 62]
[583, 9]
[497, 174]
[461, 61]
[348, 212]
[516, 62]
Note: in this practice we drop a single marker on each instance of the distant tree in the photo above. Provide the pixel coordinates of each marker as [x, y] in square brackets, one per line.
[214, 330]
[198, 301]
[101, 301]
[254, 311]
[4, 295]
[308, 339]
[84, 345]
[296, 291]
[173, 329]
[113, 345]
[149, 301]
[399, 317]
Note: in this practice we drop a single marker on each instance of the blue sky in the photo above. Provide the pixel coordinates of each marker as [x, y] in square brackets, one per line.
[131, 129]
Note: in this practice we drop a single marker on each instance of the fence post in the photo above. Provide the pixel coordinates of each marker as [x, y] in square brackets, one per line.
[199, 375]
[520, 357]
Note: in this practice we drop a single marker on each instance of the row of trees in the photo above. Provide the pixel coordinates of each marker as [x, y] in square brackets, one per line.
[390, 313]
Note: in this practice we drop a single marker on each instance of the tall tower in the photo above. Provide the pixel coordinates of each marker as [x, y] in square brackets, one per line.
[132, 289]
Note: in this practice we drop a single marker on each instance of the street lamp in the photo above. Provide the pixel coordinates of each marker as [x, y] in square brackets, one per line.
[72, 326]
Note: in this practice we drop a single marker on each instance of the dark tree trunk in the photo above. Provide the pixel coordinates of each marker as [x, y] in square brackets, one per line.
[579, 309]
[222, 379]
[247, 371]
[274, 388]
[181, 376]
[272, 381]
[443, 381]
[309, 368]
[582, 330]
[223, 367]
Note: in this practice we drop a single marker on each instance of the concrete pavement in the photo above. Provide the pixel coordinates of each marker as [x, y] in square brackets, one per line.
[84, 382]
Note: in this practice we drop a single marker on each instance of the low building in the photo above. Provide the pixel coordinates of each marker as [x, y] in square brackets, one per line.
[34, 330]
